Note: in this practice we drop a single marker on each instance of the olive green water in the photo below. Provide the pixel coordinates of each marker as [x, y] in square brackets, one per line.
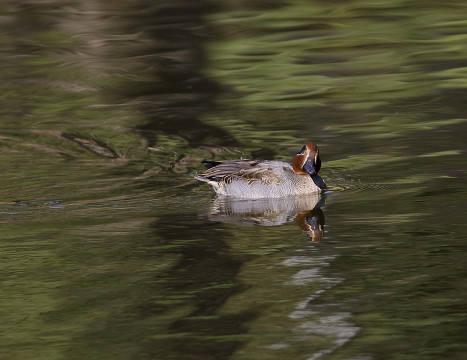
[110, 250]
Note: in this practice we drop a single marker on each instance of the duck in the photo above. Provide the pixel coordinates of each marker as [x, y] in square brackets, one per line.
[256, 179]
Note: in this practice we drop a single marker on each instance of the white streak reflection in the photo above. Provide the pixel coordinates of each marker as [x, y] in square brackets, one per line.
[318, 321]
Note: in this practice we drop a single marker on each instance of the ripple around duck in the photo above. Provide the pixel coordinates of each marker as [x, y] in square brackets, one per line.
[367, 186]
[349, 183]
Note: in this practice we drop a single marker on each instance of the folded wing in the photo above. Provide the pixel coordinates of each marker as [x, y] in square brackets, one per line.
[231, 170]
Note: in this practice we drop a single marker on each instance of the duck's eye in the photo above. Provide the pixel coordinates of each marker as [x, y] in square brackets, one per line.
[302, 152]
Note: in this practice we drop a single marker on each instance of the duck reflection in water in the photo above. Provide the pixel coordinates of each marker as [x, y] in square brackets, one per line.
[305, 210]
[312, 223]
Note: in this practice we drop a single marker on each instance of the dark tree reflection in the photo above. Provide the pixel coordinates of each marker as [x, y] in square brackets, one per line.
[169, 86]
[203, 280]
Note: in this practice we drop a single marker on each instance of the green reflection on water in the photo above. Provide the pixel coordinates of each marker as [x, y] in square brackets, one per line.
[353, 53]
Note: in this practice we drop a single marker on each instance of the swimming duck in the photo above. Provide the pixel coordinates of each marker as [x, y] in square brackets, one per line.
[251, 179]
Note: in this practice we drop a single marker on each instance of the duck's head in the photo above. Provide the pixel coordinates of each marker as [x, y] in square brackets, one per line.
[307, 161]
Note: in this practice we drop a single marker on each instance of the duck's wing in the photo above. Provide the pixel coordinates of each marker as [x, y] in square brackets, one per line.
[226, 167]
[230, 170]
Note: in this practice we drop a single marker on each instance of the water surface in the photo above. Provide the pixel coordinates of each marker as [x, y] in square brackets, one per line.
[110, 249]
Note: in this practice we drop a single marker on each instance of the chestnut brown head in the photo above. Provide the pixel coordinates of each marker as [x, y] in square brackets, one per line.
[307, 161]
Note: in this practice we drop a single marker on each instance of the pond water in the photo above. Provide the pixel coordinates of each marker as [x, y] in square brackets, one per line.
[111, 250]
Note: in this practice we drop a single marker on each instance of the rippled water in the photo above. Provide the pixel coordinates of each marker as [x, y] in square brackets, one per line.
[110, 250]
